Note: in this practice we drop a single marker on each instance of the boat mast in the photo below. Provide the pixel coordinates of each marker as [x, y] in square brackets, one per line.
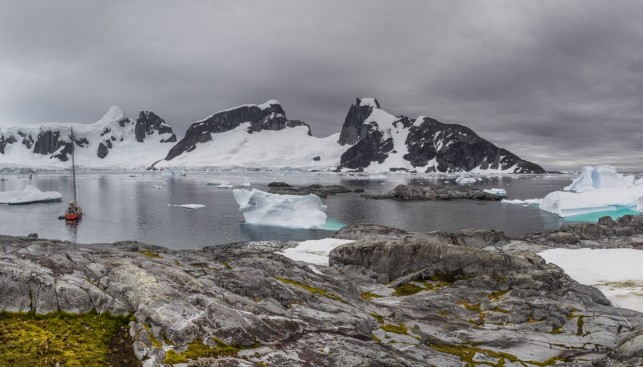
[73, 164]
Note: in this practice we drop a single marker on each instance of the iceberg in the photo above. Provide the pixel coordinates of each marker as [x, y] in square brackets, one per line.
[260, 207]
[466, 180]
[30, 194]
[597, 189]
[526, 202]
[598, 178]
[498, 192]
[190, 206]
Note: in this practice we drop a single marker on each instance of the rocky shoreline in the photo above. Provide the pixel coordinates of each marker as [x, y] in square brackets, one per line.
[322, 191]
[391, 298]
[435, 192]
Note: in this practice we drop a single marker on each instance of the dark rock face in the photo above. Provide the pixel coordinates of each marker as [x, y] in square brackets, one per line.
[371, 148]
[4, 141]
[272, 117]
[420, 193]
[354, 129]
[147, 123]
[456, 148]
[102, 150]
[451, 147]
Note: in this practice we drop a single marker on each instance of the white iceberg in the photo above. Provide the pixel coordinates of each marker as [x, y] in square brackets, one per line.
[597, 189]
[497, 192]
[522, 202]
[615, 272]
[30, 194]
[225, 186]
[190, 206]
[260, 207]
[245, 184]
[465, 180]
[598, 178]
[314, 251]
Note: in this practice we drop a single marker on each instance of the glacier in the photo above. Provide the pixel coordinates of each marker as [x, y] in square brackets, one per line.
[293, 211]
[597, 189]
[30, 194]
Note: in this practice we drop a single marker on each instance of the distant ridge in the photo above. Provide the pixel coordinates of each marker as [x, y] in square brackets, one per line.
[260, 136]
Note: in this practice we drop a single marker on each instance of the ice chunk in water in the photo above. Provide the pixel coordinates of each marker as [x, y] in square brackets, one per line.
[260, 207]
[31, 194]
[599, 177]
[597, 189]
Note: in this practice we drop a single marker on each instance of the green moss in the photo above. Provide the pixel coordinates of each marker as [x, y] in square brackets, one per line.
[467, 352]
[152, 254]
[367, 296]
[262, 364]
[557, 330]
[64, 339]
[226, 264]
[407, 289]
[397, 329]
[311, 289]
[198, 349]
[470, 306]
[377, 317]
[376, 339]
[580, 323]
[495, 296]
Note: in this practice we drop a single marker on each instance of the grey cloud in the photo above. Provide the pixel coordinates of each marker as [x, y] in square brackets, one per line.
[556, 82]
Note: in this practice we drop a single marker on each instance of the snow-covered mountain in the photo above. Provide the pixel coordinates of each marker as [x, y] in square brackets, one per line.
[261, 136]
[377, 140]
[253, 136]
[371, 139]
[114, 141]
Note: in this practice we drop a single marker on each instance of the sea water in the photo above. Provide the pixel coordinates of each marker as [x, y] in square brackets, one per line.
[141, 206]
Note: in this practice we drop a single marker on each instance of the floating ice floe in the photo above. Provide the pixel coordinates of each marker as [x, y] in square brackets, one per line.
[597, 189]
[294, 211]
[465, 180]
[190, 206]
[615, 272]
[314, 251]
[522, 202]
[30, 194]
[225, 186]
[498, 192]
[245, 184]
[157, 186]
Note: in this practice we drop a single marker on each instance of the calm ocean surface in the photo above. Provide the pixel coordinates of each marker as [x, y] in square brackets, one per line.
[128, 206]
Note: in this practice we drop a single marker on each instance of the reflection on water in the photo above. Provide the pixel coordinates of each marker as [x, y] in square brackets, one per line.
[121, 207]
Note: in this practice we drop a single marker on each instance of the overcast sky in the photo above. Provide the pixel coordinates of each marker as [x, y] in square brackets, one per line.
[559, 83]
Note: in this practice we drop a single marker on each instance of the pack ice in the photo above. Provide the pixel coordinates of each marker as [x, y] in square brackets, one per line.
[30, 194]
[597, 189]
[260, 207]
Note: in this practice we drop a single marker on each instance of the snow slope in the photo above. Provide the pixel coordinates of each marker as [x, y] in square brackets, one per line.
[615, 272]
[113, 129]
[291, 147]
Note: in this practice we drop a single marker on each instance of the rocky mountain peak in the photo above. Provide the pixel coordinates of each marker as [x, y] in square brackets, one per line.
[353, 129]
[149, 123]
[266, 116]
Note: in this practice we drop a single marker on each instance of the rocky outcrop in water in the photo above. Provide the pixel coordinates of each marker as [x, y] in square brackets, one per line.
[391, 298]
[422, 193]
[315, 189]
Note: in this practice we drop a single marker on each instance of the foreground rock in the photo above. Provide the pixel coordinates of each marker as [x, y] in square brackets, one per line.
[419, 193]
[283, 188]
[392, 298]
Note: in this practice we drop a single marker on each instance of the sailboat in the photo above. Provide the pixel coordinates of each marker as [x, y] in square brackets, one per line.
[74, 212]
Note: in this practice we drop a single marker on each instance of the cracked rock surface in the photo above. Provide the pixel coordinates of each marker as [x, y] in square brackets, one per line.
[392, 298]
